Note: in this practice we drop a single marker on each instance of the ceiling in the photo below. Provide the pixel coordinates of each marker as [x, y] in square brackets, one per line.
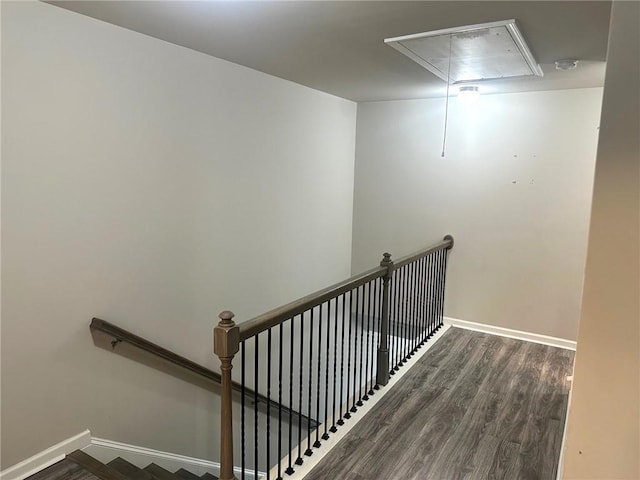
[338, 46]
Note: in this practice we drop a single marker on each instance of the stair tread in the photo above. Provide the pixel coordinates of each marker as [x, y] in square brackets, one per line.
[97, 468]
[64, 469]
[129, 469]
[209, 476]
[160, 473]
[186, 475]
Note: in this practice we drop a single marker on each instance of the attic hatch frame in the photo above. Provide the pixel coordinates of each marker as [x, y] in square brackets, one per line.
[510, 26]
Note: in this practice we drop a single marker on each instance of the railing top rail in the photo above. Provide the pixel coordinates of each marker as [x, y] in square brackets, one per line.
[278, 315]
[446, 243]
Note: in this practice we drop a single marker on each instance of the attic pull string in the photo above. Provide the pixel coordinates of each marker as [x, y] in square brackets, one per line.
[446, 105]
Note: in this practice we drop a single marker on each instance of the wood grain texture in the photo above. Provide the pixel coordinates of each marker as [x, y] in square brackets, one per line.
[94, 466]
[160, 473]
[476, 406]
[63, 470]
[129, 469]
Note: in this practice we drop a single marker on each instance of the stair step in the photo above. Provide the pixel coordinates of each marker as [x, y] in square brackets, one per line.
[94, 466]
[186, 475]
[209, 476]
[129, 469]
[63, 470]
[160, 473]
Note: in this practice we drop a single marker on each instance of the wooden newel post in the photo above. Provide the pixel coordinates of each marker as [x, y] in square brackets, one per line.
[382, 373]
[226, 343]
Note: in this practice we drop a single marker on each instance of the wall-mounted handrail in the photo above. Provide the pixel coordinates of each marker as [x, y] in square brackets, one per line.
[120, 335]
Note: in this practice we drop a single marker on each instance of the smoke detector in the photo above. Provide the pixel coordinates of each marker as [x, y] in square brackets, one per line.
[566, 64]
[471, 53]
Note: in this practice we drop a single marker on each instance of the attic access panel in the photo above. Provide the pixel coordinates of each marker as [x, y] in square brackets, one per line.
[485, 51]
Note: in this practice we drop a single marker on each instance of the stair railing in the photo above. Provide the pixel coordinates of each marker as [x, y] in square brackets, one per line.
[324, 354]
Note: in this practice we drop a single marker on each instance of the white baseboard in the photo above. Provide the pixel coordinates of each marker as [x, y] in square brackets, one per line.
[107, 450]
[46, 458]
[507, 332]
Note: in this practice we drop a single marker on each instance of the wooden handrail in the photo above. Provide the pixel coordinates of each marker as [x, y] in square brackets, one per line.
[446, 243]
[121, 335]
[278, 315]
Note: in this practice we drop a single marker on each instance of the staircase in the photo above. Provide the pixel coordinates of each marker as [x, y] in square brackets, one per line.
[80, 466]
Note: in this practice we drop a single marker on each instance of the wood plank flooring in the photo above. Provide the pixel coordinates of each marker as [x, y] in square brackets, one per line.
[475, 407]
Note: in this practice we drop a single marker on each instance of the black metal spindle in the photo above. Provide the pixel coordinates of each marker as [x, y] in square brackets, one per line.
[395, 326]
[421, 304]
[354, 408]
[438, 283]
[361, 362]
[299, 460]
[347, 415]
[442, 284]
[342, 402]
[268, 430]
[403, 314]
[410, 318]
[376, 321]
[280, 331]
[371, 313]
[407, 318]
[309, 452]
[432, 294]
[316, 444]
[242, 409]
[366, 352]
[333, 428]
[325, 435]
[413, 306]
[414, 315]
[289, 470]
[255, 406]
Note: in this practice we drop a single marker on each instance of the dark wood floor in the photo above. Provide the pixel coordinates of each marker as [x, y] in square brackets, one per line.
[475, 407]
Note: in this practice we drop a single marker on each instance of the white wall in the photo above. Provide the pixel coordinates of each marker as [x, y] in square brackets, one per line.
[514, 189]
[603, 433]
[152, 186]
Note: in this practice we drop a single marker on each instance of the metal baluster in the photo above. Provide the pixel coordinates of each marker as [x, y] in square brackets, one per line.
[268, 433]
[403, 315]
[316, 444]
[361, 308]
[394, 319]
[412, 303]
[299, 460]
[309, 452]
[355, 351]
[325, 435]
[242, 409]
[280, 330]
[432, 291]
[255, 406]
[423, 283]
[333, 428]
[372, 327]
[443, 272]
[289, 470]
[365, 397]
[347, 415]
[407, 319]
[378, 323]
[344, 302]
[410, 317]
